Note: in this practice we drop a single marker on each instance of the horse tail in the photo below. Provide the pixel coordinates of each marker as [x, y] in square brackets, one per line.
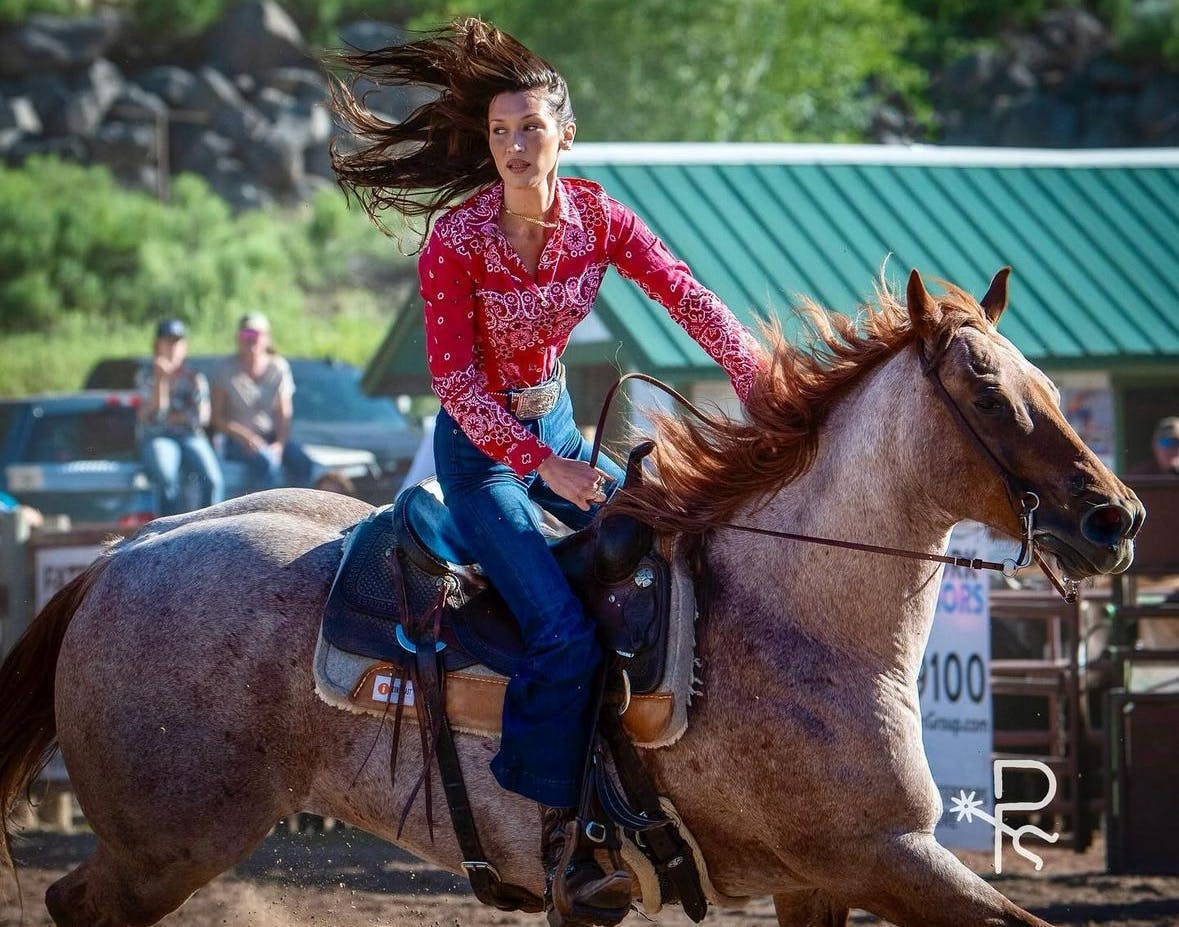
[28, 726]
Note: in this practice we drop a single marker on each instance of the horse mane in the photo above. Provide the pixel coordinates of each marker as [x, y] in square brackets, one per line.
[708, 470]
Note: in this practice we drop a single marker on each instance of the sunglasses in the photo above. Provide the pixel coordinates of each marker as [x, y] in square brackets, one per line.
[1170, 442]
[248, 334]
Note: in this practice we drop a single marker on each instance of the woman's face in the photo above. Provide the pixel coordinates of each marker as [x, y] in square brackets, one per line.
[525, 138]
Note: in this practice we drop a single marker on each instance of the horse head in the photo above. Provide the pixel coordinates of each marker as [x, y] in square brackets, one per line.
[1005, 433]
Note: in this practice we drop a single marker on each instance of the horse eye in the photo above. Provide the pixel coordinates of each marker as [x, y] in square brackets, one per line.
[988, 405]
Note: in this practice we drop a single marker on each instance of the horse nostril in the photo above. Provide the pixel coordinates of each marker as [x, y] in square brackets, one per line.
[1107, 524]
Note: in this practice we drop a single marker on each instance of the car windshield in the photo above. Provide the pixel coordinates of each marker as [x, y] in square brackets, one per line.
[106, 433]
[328, 392]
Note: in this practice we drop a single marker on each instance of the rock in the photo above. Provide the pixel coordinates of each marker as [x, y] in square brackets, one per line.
[316, 162]
[18, 114]
[139, 105]
[67, 147]
[1040, 122]
[1018, 78]
[48, 94]
[55, 43]
[234, 185]
[226, 111]
[197, 149]
[1108, 122]
[307, 188]
[891, 125]
[102, 79]
[1157, 109]
[256, 37]
[273, 103]
[275, 159]
[301, 83]
[17, 120]
[1029, 52]
[171, 84]
[370, 35]
[144, 177]
[124, 146]
[965, 80]
[1108, 76]
[90, 93]
[1071, 37]
[228, 177]
[245, 84]
[314, 128]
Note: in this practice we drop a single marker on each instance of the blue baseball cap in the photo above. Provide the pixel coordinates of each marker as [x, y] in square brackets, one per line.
[171, 328]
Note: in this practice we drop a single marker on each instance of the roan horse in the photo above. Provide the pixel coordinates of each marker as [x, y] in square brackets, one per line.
[176, 672]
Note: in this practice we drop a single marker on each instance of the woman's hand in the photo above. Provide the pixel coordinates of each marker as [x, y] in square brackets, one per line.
[574, 480]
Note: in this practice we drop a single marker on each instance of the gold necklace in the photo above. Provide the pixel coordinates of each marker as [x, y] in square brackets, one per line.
[541, 222]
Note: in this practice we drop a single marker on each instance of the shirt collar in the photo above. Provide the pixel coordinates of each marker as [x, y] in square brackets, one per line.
[490, 201]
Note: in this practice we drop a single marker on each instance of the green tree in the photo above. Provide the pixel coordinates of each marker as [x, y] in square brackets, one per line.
[714, 70]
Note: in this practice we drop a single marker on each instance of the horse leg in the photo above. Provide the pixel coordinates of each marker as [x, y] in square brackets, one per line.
[111, 889]
[161, 836]
[810, 908]
[916, 882]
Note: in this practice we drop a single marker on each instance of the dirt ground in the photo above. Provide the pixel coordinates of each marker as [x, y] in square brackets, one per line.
[346, 878]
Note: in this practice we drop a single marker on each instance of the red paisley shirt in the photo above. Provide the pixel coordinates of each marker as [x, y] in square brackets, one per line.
[491, 326]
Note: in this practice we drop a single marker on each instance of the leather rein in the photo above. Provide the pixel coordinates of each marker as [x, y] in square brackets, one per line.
[1023, 501]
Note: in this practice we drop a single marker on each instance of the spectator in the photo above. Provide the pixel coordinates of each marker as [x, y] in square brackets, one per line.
[173, 414]
[252, 396]
[1164, 447]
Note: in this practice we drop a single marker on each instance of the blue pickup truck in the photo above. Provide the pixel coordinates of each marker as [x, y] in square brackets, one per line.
[75, 454]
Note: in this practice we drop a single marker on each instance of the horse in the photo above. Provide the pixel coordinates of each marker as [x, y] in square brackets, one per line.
[175, 673]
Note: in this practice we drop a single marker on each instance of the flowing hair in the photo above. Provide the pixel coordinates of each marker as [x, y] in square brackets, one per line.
[708, 470]
[439, 153]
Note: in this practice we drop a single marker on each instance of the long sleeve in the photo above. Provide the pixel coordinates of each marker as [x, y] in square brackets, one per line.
[448, 295]
[640, 256]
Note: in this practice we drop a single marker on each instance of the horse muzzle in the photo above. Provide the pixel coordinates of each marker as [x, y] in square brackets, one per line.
[1101, 541]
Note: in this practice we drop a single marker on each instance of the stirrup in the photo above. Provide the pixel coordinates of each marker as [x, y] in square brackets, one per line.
[582, 893]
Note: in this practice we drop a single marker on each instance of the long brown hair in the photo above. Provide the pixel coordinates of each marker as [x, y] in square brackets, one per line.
[440, 152]
[707, 470]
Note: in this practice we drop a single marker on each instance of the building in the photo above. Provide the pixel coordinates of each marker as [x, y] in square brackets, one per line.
[1092, 237]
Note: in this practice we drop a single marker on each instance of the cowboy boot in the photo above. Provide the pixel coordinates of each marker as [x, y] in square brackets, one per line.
[577, 891]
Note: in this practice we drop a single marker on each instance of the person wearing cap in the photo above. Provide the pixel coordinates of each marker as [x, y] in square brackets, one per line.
[1165, 445]
[252, 404]
[173, 413]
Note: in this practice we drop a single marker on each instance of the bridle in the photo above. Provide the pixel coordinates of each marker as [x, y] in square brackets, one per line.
[1023, 501]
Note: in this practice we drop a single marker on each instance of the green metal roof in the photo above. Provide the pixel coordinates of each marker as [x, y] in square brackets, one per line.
[1092, 237]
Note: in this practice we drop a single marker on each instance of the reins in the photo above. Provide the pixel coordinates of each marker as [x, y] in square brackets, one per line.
[1023, 500]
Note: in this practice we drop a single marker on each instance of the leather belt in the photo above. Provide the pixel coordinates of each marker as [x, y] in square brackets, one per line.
[533, 402]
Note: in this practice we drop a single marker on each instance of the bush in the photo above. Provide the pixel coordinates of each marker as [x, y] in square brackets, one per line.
[13, 11]
[93, 257]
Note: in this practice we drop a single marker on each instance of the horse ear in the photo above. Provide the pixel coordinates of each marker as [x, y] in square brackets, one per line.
[921, 306]
[995, 301]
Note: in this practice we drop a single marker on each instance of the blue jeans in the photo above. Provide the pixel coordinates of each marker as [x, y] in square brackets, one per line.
[265, 471]
[168, 454]
[548, 708]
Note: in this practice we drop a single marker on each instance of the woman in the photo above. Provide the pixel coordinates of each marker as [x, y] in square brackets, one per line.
[505, 276]
[252, 406]
[173, 413]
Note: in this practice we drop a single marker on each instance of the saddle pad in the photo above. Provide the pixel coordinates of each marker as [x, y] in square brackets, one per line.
[474, 696]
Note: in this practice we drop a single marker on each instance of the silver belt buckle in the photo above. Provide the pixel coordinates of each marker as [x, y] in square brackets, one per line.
[537, 401]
